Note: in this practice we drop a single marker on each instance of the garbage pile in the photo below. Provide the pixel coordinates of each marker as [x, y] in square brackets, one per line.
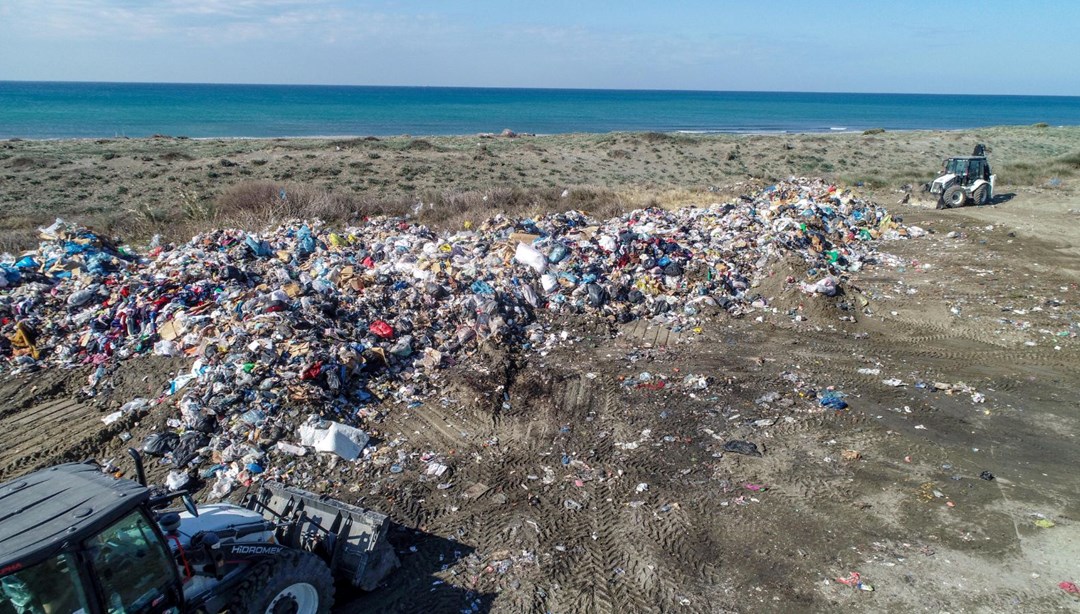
[66, 250]
[303, 319]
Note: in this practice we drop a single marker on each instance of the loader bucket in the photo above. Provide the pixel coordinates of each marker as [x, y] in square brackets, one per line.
[352, 540]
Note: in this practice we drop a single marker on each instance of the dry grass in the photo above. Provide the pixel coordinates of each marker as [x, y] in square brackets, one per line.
[1038, 172]
[257, 204]
[15, 240]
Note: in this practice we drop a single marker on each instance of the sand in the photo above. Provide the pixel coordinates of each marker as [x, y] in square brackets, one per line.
[889, 488]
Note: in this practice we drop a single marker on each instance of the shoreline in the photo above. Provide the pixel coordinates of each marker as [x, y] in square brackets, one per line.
[695, 133]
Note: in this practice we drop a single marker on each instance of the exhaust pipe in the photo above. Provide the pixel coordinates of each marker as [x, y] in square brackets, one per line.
[140, 473]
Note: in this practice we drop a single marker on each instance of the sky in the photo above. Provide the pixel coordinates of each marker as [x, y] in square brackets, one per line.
[918, 46]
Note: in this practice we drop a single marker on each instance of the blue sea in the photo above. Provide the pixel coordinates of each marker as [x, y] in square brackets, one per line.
[51, 110]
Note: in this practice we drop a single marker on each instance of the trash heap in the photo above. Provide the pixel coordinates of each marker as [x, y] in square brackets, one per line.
[303, 319]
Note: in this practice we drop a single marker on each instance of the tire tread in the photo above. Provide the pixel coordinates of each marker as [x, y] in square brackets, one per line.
[250, 594]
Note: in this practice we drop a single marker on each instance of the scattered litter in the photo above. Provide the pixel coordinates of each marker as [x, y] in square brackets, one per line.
[290, 448]
[476, 491]
[833, 400]
[742, 447]
[854, 580]
[327, 436]
[176, 480]
[436, 469]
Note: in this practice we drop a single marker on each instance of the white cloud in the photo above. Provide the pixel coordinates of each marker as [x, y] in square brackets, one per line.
[205, 21]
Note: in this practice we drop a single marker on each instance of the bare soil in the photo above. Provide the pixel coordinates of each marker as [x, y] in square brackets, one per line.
[574, 489]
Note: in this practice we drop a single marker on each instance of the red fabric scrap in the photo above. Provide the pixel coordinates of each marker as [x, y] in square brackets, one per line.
[657, 385]
[312, 372]
[852, 579]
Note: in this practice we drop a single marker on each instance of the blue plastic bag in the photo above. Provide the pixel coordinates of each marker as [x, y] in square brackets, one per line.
[305, 242]
[482, 287]
[260, 248]
[833, 400]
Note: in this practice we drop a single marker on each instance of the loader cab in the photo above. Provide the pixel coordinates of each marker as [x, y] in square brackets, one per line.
[967, 169]
[103, 555]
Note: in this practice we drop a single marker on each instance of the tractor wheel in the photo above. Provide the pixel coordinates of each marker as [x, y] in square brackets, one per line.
[981, 195]
[954, 196]
[296, 583]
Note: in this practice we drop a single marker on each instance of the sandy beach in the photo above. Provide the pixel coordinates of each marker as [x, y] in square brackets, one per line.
[892, 492]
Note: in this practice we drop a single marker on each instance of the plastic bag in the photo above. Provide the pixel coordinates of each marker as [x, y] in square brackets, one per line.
[341, 439]
[160, 444]
[528, 255]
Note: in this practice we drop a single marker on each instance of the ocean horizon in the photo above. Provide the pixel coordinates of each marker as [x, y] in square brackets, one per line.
[65, 110]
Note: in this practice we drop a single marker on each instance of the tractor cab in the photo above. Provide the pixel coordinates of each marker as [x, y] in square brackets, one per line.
[89, 547]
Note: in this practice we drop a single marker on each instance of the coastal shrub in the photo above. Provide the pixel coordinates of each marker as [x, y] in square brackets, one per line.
[419, 145]
[871, 181]
[1029, 173]
[657, 137]
[196, 208]
[14, 240]
[451, 209]
[1071, 161]
[873, 131]
[23, 162]
[254, 204]
[174, 156]
[346, 143]
[1040, 125]
[146, 216]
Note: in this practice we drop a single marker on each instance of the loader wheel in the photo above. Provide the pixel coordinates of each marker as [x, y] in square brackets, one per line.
[981, 195]
[296, 583]
[954, 196]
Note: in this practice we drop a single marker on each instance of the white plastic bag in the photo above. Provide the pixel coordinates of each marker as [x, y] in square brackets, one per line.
[176, 480]
[527, 254]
